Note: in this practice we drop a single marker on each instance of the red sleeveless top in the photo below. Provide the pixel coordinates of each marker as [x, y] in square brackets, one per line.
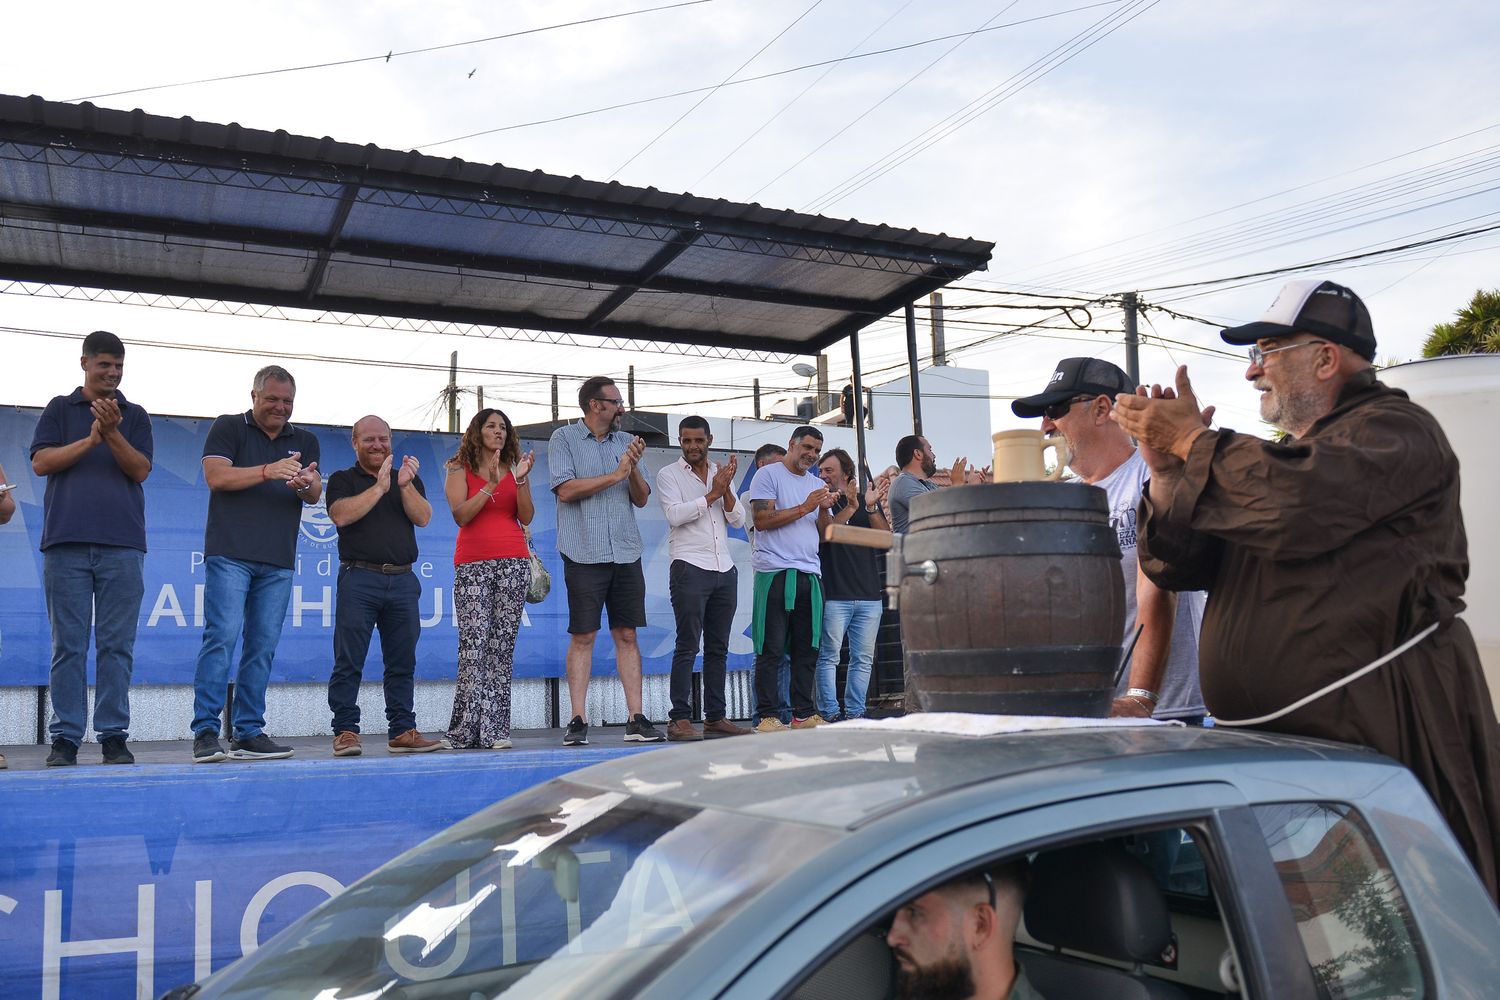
[493, 533]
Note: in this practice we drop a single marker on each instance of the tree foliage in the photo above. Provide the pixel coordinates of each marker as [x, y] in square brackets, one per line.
[1475, 329]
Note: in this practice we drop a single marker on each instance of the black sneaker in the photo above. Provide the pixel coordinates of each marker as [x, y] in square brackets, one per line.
[577, 734]
[64, 753]
[258, 747]
[115, 751]
[206, 747]
[640, 730]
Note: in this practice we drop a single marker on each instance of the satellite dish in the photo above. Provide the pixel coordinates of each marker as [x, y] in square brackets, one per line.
[804, 369]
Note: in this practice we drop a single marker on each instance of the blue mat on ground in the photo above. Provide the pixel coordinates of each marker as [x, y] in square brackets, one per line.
[118, 883]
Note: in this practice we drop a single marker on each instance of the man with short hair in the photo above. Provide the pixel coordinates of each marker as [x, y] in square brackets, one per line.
[918, 463]
[698, 499]
[764, 456]
[597, 479]
[260, 471]
[1076, 405]
[94, 447]
[853, 592]
[790, 506]
[957, 942]
[376, 586]
[1325, 553]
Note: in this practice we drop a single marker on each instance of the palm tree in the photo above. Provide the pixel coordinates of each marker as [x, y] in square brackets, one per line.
[1475, 329]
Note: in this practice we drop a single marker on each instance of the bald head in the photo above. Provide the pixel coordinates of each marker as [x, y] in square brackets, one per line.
[371, 437]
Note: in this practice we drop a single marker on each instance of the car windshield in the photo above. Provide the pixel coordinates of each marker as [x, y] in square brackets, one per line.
[561, 891]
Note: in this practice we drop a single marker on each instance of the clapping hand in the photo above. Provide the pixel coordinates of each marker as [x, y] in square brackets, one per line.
[107, 417]
[523, 467]
[492, 472]
[383, 475]
[724, 478]
[633, 453]
[1163, 421]
[409, 467]
[305, 477]
[874, 493]
[956, 477]
[286, 469]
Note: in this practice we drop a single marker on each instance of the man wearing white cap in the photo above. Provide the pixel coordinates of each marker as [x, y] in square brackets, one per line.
[1338, 549]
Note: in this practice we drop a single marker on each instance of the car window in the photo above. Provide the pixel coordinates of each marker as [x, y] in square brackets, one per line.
[1353, 919]
[564, 891]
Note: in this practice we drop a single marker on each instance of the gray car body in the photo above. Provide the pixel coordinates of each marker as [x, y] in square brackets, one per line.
[912, 809]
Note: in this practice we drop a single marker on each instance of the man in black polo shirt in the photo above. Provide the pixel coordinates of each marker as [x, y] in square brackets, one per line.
[377, 545]
[261, 470]
[95, 449]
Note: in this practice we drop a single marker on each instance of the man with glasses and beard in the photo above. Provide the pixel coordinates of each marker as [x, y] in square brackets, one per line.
[1339, 548]
[598, 481]
[956, 942]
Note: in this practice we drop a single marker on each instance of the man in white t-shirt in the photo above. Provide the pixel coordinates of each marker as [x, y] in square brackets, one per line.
[789, 505]
[1163, 677]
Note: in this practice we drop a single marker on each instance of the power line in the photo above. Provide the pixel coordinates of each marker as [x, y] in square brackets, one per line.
[767, 76]
[678, 120]
[389, 55]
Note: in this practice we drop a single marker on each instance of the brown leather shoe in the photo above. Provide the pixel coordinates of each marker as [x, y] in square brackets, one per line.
[412, 741]
[681, 731]
[346, 744]
[722, 727]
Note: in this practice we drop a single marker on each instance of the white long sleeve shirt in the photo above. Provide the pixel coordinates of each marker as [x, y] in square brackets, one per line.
[698, 532]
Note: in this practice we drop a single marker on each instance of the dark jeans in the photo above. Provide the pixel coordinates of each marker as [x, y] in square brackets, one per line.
[703, 601]
[368, 600]
[787, 632]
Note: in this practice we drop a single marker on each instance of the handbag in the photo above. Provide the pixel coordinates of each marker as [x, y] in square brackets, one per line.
[541, 581]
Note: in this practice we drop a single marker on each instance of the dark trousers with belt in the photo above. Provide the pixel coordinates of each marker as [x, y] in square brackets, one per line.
[790, 632]
[368, 600]
[704, 601]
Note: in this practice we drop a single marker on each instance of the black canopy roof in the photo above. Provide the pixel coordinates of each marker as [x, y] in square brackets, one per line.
[136, 202]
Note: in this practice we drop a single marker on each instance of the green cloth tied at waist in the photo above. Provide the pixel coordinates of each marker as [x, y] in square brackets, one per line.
[763, 584]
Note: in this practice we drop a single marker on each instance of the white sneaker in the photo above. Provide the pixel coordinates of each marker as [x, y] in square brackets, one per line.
[500, 745]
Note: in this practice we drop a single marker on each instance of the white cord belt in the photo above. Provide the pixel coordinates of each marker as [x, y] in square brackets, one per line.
[1349, 679]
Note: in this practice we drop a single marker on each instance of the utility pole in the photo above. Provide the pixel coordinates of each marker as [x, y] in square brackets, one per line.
[554, 399]
[480, 392]
[822, 406]
[757, 399]
[630, 388]
[1132, 340]
[453, 393]
[939, 346]
[911, 369]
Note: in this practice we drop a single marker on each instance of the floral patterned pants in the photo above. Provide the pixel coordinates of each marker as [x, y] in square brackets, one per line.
[490, 596]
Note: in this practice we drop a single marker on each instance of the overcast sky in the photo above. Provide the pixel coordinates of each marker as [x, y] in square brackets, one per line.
[1191, 141]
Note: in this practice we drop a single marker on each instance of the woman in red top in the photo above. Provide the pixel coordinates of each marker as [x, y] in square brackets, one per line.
[488, 489]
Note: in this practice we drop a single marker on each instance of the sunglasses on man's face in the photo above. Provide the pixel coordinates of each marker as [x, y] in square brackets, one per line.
[1059, 410]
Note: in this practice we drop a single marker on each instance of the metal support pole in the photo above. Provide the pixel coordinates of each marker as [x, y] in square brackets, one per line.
[757, 399]
[1132, 338]
[939, 344]
[822, 406]
[453, 393]
[555, 410]
[911, 369]
[860, 458]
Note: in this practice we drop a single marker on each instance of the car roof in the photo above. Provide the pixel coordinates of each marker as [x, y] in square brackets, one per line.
[845, 777]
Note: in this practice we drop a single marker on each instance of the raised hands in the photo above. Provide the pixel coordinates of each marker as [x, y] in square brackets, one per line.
[959, 468]
[1164, 421]
[285, 469]
[409, 467]
[305, 478]
[383, 476]
[632, 456]
[723, 480]
[107, 417]
[523, 467]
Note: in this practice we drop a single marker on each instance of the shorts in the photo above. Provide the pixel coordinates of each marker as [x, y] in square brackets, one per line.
[619, 588]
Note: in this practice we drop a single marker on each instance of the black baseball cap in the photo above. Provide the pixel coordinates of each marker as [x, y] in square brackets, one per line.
[1075, 377]
[1312, 305]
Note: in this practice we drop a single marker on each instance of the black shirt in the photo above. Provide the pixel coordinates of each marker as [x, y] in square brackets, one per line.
[385, 534]
[850, 572]
[259, 524]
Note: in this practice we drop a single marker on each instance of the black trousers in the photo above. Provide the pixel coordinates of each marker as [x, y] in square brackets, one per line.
[787, 632]
[704, 602]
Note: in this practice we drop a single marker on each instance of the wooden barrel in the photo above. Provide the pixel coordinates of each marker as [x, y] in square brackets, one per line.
[1012, 600]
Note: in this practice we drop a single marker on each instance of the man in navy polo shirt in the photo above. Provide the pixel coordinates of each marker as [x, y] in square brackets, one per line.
[261, 471]
[377, 507]
[94, 447]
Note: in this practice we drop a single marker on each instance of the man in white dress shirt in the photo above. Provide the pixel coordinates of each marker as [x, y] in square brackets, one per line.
[698, 498]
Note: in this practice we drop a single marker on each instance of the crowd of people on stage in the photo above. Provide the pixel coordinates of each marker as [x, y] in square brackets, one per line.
[1259, 574]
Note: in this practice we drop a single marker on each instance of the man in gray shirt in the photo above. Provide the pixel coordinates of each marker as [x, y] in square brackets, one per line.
[918, 462]
[597, 479]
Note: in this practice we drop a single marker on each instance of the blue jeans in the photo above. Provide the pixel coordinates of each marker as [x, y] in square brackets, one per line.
[368, 600]
[861, 620]
[92, 589]
[238, 595]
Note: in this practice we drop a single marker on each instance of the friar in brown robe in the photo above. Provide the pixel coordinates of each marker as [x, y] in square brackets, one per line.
[1324, 552]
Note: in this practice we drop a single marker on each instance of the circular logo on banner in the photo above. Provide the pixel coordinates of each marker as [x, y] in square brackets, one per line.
[317, 527]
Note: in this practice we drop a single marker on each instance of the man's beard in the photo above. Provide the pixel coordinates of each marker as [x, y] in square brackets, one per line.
[949, 979]
[929, 467]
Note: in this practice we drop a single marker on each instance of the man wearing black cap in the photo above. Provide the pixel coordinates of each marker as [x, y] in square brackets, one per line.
[1076, 405]
[1326, 553]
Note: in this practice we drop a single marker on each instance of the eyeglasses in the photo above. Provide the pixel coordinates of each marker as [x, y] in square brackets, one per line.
[1059, 410]
[610, 399]
[1258, 356]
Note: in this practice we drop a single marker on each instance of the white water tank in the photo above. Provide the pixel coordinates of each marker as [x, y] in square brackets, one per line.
[1463, 393]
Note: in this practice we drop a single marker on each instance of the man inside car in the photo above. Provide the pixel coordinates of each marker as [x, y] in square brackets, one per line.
[956, 941]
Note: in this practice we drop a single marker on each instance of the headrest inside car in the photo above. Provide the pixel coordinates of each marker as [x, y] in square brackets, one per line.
[1098, 899]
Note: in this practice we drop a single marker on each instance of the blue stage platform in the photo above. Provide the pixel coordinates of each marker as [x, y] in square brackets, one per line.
[126, 881]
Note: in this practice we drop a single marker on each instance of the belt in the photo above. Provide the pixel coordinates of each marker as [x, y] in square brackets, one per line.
[389, 569]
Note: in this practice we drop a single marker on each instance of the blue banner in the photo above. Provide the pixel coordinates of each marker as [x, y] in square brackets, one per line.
[171, 624]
